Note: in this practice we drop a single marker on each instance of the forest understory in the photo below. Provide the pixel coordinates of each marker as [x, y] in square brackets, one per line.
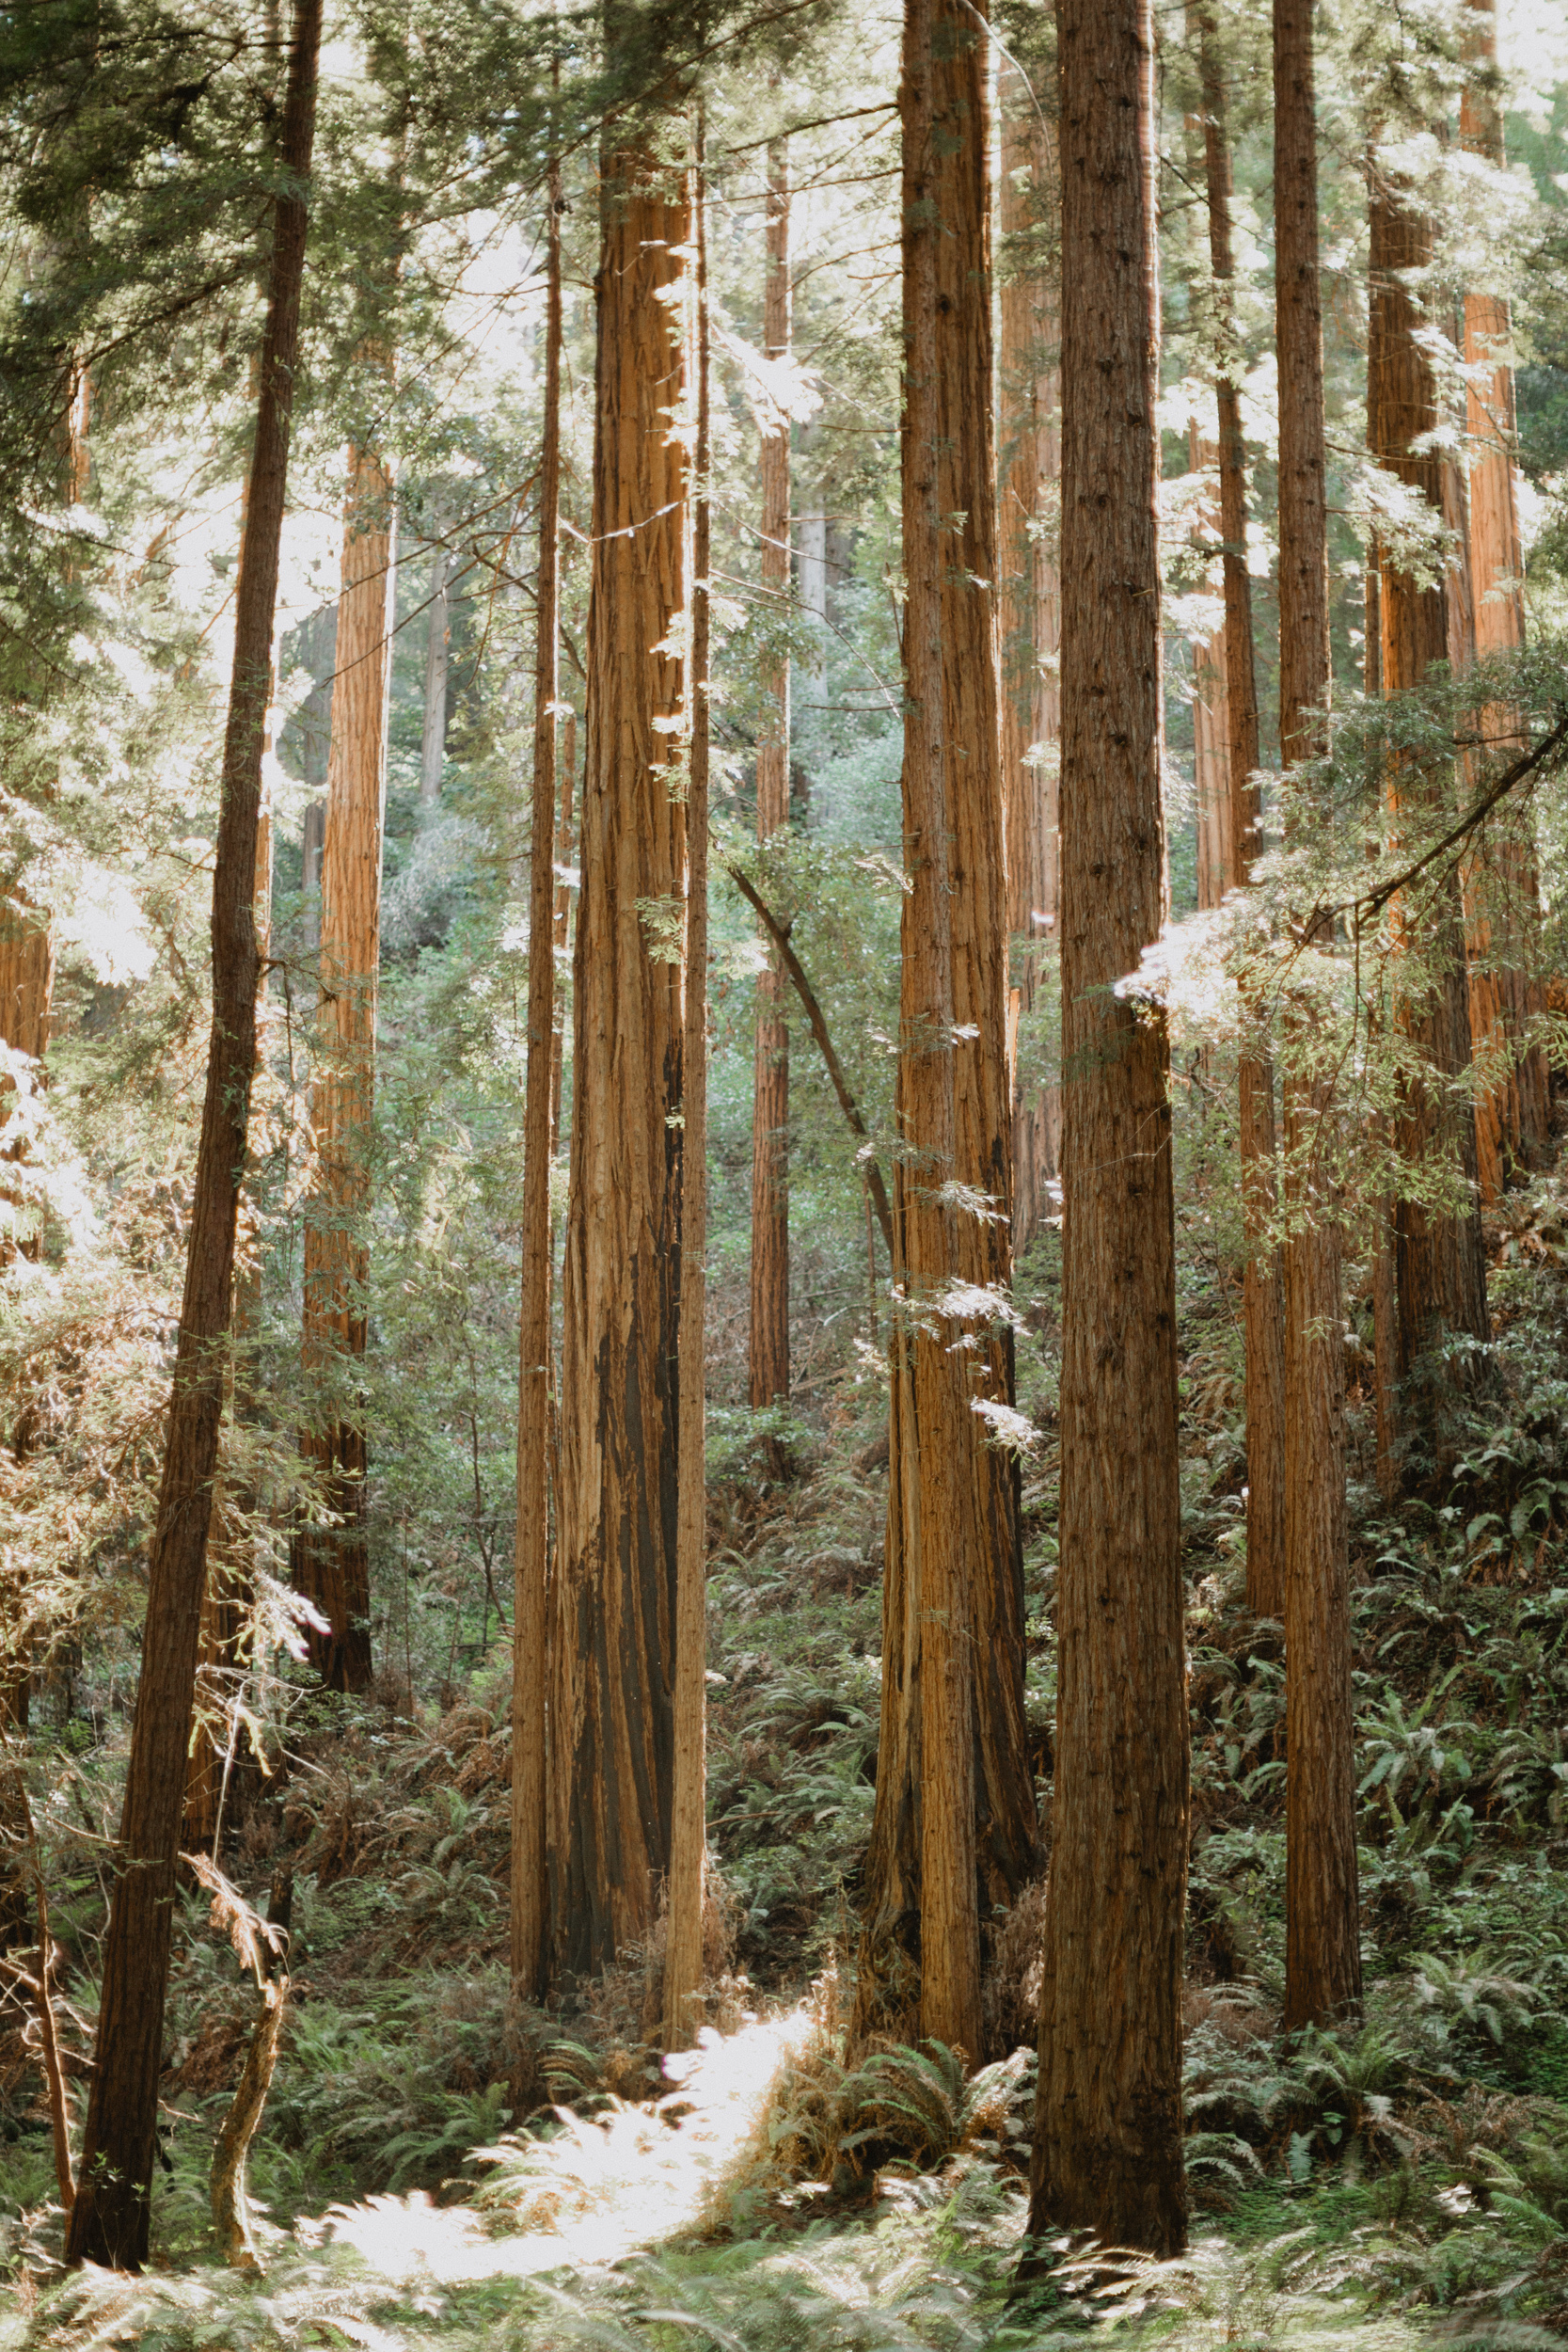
[439, 2164]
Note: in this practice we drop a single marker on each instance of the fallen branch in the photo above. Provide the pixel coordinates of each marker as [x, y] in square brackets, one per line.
[779, 933]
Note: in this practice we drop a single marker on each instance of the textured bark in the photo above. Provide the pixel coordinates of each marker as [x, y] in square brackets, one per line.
[530, 1906]
[768, 1360]
[433, 748]
[109, 2220]
[613, 1597]
[1210, 719]
[953, 1600]
[1030, 603]
[1497, 563]
[1262, 1295]
[1108, 2131]
[331, 1564]
[1322, 1933]
[229, 1573]
[683, 1949]
[1441, 1264]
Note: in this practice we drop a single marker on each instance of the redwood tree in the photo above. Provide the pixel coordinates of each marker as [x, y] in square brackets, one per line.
[1108, 2153]
[1029, 399]
[613, 1603]
[683, 1948]
[769, 1363]
[109, 2222]
[955, 1813]
[530, 1620]
[331, 1563]
[1519, 1110]
[1322, 1927]
[1440, 1258]
[1262, 1301]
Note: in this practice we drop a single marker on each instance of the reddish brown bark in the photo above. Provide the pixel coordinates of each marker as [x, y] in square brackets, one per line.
[683, 1949]
[1440, 1258]
[1029, 393]
[768, 1360]
[110, 2218]
[1322, 1933]
[529, 1909]
[614, 1591]
[1517, 1112]
[1108, 2153]
[1262, 1298]
[953, 1613]
[331, 1563]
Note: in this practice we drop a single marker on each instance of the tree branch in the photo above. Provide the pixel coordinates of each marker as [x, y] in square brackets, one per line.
[779, 933]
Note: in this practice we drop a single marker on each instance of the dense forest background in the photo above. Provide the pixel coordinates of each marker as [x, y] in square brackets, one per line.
[444, 2157]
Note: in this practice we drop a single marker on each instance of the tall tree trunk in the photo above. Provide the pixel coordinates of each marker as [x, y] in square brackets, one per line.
[531, 1612]
[1029, 389]
[1498, 566]
[1211, 723]
[768, 1361]
[683, 1950]
[331, 1564]
[228, 1572]
[1322, 1930]
[1108, 2130]
[1263, 1291]
[1440, 1258]
[433, 748]
[951, 1828]
[613, 1593]
[110, 2218]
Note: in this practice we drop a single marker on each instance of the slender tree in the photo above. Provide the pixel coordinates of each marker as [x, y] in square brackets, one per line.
[1262, 1298]
[1211, 733]
[613, 1593]
[953, 1600]
[1497, 563]
[769, 1365]
[1323, 1929]
[530, 1612]
[1108, 2131]
[110, 2218]
[1030, 600]
[433, 746]
[332, 1562]
[683, 1950]
[1440, 1258]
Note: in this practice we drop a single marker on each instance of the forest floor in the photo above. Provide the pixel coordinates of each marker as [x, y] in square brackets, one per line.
[438, 2167]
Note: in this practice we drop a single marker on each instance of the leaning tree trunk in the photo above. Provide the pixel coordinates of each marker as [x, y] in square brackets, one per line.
[1262, 1295]
[953, 1598]
[1496, 563]
[1322, 1927]
[768, 1360]
[1440, 1258]
[1030, 602]
[228, 1573]
[531, 1612]
[683, 1946]
[1108, 2153]
[331, 1564]
[110, 2219]
[613, 1593]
